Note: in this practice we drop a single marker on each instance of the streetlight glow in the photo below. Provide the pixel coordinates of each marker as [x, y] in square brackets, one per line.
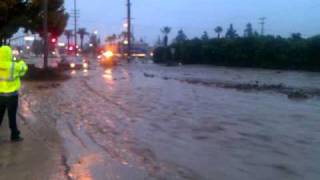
[61, 44]
[125, 25]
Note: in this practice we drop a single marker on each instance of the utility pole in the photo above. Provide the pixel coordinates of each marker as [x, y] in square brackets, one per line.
[129, 29]
[262, 23]
[75, 24]
[45, 34]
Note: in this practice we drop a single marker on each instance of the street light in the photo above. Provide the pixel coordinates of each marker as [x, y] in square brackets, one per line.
[125, 25]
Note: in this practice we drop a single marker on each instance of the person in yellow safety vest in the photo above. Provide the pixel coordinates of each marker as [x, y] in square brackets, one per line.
[11, 70]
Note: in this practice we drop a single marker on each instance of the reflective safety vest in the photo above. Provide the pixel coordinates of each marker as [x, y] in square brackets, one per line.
[10, 71]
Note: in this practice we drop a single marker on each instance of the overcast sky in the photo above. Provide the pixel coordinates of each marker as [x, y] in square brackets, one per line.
[195, 16]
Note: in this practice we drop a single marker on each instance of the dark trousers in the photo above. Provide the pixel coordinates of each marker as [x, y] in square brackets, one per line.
[11, 104]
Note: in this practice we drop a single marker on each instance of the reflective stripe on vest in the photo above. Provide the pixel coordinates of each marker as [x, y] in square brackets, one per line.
[11, 71]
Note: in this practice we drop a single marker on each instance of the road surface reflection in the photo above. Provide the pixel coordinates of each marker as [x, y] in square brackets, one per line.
[108, 76]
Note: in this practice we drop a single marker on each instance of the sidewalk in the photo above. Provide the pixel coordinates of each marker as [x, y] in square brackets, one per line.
[32, 159]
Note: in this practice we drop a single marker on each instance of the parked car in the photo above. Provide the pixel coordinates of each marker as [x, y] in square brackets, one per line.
[73, 62]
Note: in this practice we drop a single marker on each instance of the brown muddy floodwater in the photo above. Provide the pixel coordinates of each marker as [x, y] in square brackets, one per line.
[144, 121]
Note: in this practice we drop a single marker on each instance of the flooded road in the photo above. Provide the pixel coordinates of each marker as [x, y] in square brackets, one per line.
[144, 121]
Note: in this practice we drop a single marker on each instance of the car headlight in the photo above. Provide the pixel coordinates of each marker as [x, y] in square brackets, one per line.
[85, 65]
[72, 65]
[108, 54]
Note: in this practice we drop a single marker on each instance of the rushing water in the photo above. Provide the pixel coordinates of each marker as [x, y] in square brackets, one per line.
[189, 122]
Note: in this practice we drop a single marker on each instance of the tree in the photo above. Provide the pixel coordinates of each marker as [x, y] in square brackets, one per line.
[181, 37]
[273, 52]
[231, 32]
[109, 39]
[141, 41]
[166, 31]
[82, 33]
[112, 39]
[296, 36]
[248, 32]
[28, 14]
[218, 30]
[12, 17]
[124, 36]
[68, 34]
[205, 36]
[57, 17]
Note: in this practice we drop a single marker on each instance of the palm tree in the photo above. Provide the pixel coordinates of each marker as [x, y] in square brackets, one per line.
[166, 31]
[82, 32]
[124, 36]
[231, 32]
[68, 34]
[218, 30]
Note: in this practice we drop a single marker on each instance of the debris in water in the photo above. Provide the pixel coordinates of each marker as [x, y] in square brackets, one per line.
[149, 75]
[297, 95]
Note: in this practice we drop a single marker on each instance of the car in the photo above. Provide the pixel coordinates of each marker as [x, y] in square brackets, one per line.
[107, 59]
[73, 62]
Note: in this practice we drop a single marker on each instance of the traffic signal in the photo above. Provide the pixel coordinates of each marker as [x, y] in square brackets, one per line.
[53, 40]
[71, 48]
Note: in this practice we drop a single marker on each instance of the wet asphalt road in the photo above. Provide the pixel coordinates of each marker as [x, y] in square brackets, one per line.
[143, 121]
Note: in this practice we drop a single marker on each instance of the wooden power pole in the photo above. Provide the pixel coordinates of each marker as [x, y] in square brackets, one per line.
[129, 29]
[75, 24]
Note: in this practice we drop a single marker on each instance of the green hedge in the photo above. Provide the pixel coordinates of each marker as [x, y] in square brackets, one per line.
[261, 52]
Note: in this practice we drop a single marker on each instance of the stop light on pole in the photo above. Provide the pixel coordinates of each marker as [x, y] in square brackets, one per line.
[53, 40]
